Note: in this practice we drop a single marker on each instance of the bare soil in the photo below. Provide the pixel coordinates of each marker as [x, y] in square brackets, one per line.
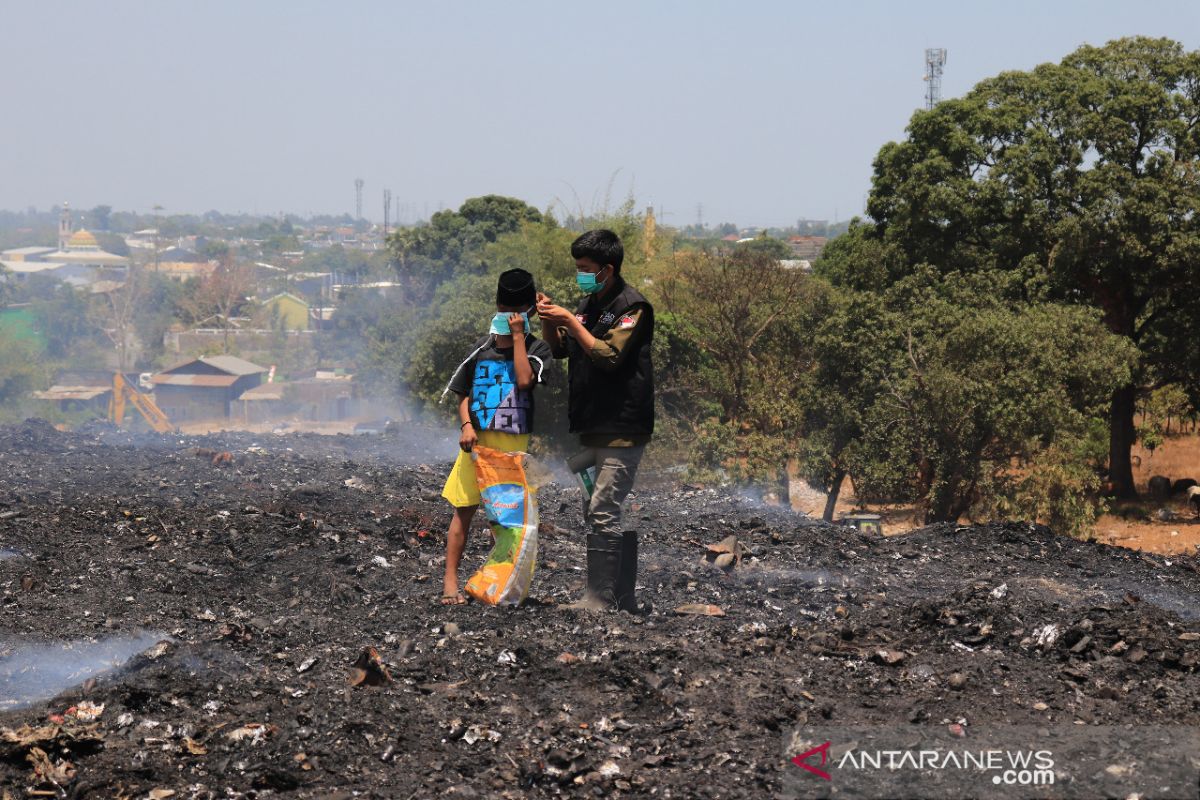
[1164, 526]
[268, 573]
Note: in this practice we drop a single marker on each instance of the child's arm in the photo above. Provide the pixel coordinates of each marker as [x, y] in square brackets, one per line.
[516, 324]
[467, 436]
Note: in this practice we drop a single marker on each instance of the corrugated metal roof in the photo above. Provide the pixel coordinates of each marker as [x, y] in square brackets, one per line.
[172, 379]
[31, 266]
[267, 391]
[72, 393]
[233, 365]
[28, 251]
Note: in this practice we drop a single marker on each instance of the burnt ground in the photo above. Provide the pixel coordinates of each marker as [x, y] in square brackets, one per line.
[268, 575]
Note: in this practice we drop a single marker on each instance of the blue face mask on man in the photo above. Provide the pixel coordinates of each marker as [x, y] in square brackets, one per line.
[500, 323]
[587, 281]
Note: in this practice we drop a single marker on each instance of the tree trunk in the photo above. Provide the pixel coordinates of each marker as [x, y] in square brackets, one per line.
[1121, 434]
[835, 488]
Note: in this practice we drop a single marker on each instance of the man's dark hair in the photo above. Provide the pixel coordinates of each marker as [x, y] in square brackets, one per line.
[602, 246]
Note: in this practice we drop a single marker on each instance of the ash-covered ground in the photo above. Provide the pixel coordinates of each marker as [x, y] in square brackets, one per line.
[236, 594]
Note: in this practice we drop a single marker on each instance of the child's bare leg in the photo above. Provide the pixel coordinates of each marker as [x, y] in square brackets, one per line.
[456, 540]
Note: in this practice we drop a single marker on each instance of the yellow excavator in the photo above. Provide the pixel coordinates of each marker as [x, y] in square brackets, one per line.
[123, 392]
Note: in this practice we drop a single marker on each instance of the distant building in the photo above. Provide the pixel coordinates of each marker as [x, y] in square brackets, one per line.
[796, 263]
[77, 391]
[81, 261]
[78, 260]
[204, 388]
[180, 264]
[321, 318]
[286, 312]
[26, 253]
[807, 248]
[322, 397]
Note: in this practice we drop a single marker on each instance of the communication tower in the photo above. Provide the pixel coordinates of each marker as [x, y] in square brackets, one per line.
[935, 60]
[358, 184]
[387, 210]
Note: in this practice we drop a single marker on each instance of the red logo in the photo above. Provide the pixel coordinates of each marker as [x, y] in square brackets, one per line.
[800, 761]
[582, 318]
[626, 322]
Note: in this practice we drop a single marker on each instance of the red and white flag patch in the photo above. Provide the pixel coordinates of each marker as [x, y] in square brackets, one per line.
[625, 323]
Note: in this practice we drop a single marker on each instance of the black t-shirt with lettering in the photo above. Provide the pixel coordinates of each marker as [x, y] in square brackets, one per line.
[489, 379]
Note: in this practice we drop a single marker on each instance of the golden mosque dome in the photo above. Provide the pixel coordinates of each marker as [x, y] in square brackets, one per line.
[83, 239]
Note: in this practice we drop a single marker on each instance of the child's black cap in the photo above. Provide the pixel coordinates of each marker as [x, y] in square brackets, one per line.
[515, 288]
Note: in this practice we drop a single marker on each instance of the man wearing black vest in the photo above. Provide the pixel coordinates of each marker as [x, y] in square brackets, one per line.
[607, 343]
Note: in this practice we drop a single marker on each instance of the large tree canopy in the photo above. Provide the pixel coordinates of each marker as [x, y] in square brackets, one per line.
[453, 241]
[1082, 177]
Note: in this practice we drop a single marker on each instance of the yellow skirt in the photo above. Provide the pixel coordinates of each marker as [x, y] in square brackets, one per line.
[462, 489]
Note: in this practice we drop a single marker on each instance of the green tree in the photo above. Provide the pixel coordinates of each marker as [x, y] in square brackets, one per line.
[63, 318]
[975, 387]
[1080, 178]
[731, 356]
[99, 217]
[767, 246]
[453, 241]
[21, 371]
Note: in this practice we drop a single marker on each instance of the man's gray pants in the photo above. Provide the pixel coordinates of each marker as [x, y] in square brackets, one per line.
[616, 468]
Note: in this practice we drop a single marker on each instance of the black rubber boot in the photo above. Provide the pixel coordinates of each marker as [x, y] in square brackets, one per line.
[627, 577]
[603, 569]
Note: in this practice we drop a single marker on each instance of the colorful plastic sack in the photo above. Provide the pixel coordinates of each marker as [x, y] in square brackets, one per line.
[511, 506]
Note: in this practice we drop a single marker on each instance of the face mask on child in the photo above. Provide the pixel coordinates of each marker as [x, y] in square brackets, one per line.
[500, 323]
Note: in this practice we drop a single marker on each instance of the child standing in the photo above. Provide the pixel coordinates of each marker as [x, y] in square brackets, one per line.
[494, 385]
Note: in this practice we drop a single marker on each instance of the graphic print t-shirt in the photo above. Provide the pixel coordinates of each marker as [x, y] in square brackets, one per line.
[489, 379]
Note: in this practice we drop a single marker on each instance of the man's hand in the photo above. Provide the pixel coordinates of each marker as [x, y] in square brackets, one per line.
[468, 438]
[555, 315]
[516, 324]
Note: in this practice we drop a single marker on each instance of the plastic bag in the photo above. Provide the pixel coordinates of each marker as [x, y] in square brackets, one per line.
[510, 502]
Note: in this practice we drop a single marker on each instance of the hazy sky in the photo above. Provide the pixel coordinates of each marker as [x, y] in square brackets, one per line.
[762, 112]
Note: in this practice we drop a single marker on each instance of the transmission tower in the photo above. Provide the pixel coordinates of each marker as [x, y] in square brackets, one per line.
[387, 210]
[358, 184]
[935, 59]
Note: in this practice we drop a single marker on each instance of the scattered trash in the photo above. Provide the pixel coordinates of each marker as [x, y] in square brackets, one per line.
[193, 747]
[1046, 635]
[1000, 591]
[700, 609]
[368, 669]
[567, 658]
[725, 554]
[307, 664]
[380, 561]
[256, 732]
[476, 733]
[888, 657]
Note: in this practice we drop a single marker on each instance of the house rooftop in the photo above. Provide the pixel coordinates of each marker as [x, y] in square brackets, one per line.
[231, 365]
